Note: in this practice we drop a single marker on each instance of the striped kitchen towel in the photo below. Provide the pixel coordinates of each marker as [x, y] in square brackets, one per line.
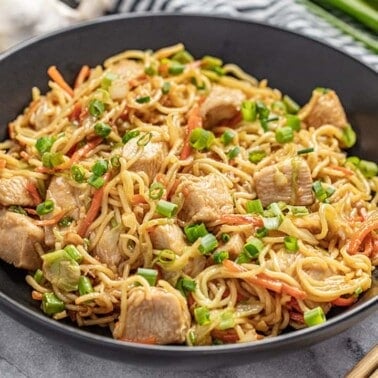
[287, 14]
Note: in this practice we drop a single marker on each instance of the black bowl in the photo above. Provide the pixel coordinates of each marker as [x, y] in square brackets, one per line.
[292, 63]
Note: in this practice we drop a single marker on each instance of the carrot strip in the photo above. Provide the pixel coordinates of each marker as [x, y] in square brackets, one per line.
[56, 76]
[344, 302]
[293, 291]
[81, 77]
[238, 219]
[93, 209]
[151, 340]
[194, 121]
[36, 295]
[227, 335]
[51, 221]
[369, 226]
[75, 114]
[344, 170]
[138, 199]
[3, 163]
[34, 194]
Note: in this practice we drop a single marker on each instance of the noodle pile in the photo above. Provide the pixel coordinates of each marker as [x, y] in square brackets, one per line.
[315, 257]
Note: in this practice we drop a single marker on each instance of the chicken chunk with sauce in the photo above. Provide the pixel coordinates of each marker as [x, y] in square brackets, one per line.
[18, 236]
[221, 104]
[168, 236]
[161, 319]
[14, 191]
[289, 181]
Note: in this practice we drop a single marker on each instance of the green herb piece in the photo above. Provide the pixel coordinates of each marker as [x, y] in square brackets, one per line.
[195, 231]
[150, 275]
[202, 315]
[166, 209]
[44, 144]
[291, 243]
[130, 135]
[51, 304]
[201, 139]
[45, 207]
[254, 207]
[256, 156]
[85, 285]
[156, 191]
[227, 137]
[314, 317]
[220, 256]
[208, 244]
[96, 181]
[102, 129]
[78, 173]
[96, 108]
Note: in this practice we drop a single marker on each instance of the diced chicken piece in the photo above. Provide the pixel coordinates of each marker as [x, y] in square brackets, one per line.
[65, 197]
[168, 236]
[149, 157]
[162, 318]
[234, 246]
[107, 249]
[221, 104]
[324, 108]
[43, 114]
[14, 191]
[125, 70]
[18, 236]
[195, 266]
[289, 181]
[206, 198]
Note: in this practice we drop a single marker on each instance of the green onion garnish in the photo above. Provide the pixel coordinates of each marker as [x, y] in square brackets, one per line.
[44, 144]
[243, 258]
[195, 231]
[208, 244]
[149, 274]
[114, 161]
[253, 247]
[225, 237]
[38, 276]
[220, 256]
[17, 209]
[201, 139]
[291, 106]
[248, 110]
[254, 207]
[107, 80]
[314, 317]
[166, 256]
[291, 243]
[96, 108]
[278, 107]
[227, 137]
[78, 173]
[202, 315]
[185, 286]
[102, 129]
[45, 207]
[51, 304]
[65, 221]
[233, 153]
[176, 68]
[298, 210]
[143, 100]
[358, 291]
[209, 62]
[261, 232]
[52, 159]
[355, 160]
[183, 57]
[130, 135]
[263, 113]
[156, 190]
[321, 193]
[293, 121]
[96, 181]
[256, 156]
[144, 139]
[348, 137]
[226, 320]
[166, 209]
[100, 167]
[166, 87]
[74, 253]
[272, 223]
[284, 134]
[85, 285]
[305, 151]
[150, 71]
[368, 168]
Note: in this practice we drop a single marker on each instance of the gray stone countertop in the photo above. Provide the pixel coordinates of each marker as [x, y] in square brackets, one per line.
[25, 353]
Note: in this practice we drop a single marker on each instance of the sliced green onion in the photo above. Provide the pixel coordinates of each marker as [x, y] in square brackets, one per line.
[227, 320]
[253, 247]
[65, 221]
[166, 87]
[17, 209]
[298, 210]
[291, 106]
[130, 135]
[144, 139]
[256, 156]
[254, 207]
[321, 193]
[284, 134]
[199, 86]
[330, 191]
[202, 315]
[38, 276]
[201, 139]
[149, 274]
[102, 129]
[51, 304]
[85, 285]
[291, 243]
[261, 232]
[208, 244]
[52, 159]
[278, 107]
[166, 256]
[272, 223]
[358, 291]
[243, 258]
[263, 113]
[220, 256]
[74, 253]
[100, 167]
[107, 80]
[305, 151]
[355, 160]
[78, 173]
[185, 286]
[143, 100]
[150, 71]
[96, 108]
[368, 168]
[210, 62]
[225, 237]
[44, 144]
[183, 57]
[293, 121]
[45, 207]
[322, 90]
[195, 231]
[156, 190]
[314, 317]
[218, 70]
[348, 137]
[275, 208]
[248, 110]
[227, 137]
[176, 68]
[114, 161]
[233, 153]
[166, 209]
[96, 181]
[192, 338]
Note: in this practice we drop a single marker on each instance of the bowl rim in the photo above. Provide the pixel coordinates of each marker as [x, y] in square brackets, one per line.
[11, 306]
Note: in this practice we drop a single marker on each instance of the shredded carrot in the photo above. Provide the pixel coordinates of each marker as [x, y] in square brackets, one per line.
[51, 221]
[344, 302]
[151, 340]
[82, 76]
[173, 188]
[56, 76]
[238, 219]
[227, 335]
[357, 239]
[24, 155]
[33, 191]
[194, 121]
[138, 199]
[3, 163]
[293, 291]
[344, 170]
[75, 114]
[36, 295]
[93, 209]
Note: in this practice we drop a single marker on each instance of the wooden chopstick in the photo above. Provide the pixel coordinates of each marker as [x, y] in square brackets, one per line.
[367, 367]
